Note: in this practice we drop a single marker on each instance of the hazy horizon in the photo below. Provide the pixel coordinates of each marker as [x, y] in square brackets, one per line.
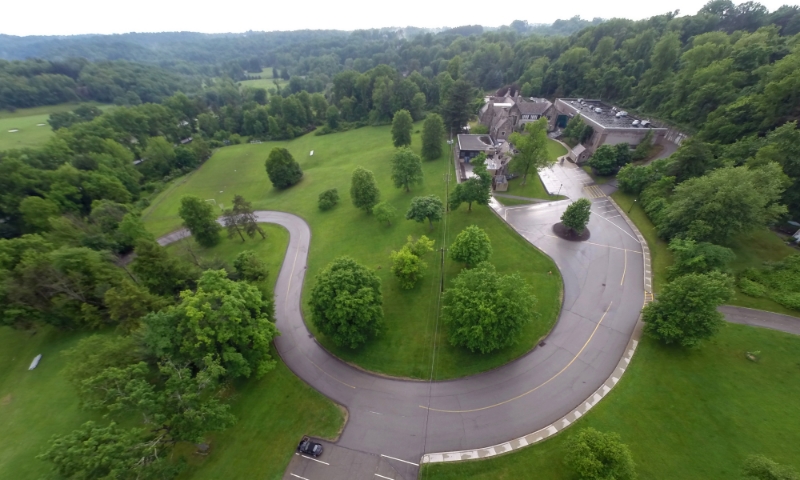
[83, 17]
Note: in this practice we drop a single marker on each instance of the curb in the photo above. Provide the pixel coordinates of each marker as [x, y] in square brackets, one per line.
[585, 406]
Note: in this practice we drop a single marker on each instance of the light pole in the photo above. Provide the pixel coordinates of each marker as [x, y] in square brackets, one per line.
[559, 189]
[632, 204]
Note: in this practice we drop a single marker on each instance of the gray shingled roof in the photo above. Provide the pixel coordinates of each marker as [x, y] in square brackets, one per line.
[533, 108]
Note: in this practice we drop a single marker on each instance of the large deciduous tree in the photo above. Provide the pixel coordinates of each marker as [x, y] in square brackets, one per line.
[225, 321]
[471, 246]
[401, 128]
[242, 218]
[604, 160]
[428, 208]
[282, 169]
[201, 219]
[532, 147]
[487, 311]
[385, 212]
[477, 189]
[726, 202]
[346, 303]
[406, 169]
[363, 190]
[432, 132]
[685, 312]
[595, 455]
[458, 105]
[160, 272]
[576, 216]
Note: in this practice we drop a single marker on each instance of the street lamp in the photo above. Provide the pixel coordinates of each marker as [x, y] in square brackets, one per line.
[632, 204]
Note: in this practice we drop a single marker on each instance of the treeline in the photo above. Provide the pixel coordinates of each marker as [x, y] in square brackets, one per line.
[32, 83]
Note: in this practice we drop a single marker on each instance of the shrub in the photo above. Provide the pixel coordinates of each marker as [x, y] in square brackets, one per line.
[751, 288]
[328, 199]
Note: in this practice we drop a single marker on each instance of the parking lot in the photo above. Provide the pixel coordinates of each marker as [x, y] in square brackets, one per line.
[338, 463]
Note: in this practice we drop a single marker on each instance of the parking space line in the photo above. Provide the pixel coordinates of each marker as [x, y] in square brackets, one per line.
[401, 460]
[309, 458]
[379, 475]
[298, 476]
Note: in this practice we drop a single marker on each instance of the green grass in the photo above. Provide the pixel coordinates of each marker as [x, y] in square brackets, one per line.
[266, 81]
[555, 149]
[533, 188]
[685, 413]
[34, 405]
[512, 202]
[270, 250]
[403, 349]
[598, 179]
[27, 121]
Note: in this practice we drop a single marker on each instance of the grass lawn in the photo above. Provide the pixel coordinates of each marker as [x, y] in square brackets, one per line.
[598, 179]
[685, 414]
[512, 202]
[266, 81]
[533, 188]
[31, 123]
[404, 348]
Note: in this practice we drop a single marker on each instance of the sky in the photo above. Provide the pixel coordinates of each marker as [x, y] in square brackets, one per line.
[60, 17]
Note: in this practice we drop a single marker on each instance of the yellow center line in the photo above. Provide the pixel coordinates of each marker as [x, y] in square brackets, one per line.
[535, 388]
[291, 275]
[328, 374]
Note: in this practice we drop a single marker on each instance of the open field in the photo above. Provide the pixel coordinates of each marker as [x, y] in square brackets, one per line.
[751, 250]
[31, 123]
[685, 414]
[404, 348]
[266, 81]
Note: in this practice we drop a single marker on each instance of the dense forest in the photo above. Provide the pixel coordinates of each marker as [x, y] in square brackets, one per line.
[69, 210]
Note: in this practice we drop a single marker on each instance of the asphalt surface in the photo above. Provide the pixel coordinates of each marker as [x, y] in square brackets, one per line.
[760, 318]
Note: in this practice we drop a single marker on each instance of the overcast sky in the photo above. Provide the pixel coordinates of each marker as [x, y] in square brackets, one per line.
[60, 17]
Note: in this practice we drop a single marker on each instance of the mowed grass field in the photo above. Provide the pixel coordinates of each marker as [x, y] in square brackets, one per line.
[692, 414]
[404, 347]
[31, 123]
[266, 81]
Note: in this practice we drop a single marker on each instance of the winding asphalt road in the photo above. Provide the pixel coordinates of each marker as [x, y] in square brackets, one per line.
[403, 420]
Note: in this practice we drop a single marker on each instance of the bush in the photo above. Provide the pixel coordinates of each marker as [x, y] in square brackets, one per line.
[328, 199]
[751, 288]
[594, 455]
[249, 267]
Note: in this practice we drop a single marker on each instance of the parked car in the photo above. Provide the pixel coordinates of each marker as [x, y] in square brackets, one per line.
[309, 448]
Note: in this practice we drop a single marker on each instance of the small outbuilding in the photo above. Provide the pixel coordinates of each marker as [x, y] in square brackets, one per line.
[470, 146]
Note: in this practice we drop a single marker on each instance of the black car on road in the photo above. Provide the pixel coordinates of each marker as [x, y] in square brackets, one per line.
[309, 448]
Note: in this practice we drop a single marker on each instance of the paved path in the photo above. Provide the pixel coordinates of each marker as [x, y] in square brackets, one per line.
[760, 318]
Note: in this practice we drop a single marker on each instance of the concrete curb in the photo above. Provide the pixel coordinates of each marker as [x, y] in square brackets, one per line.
[585, 406]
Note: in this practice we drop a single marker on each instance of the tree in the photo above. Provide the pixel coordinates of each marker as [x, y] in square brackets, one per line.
[282, 169]
[109, 452]
[385, 212]
[685, 312]
[471, 246]
[487, 311]
[332, 117]
[576, 216]
[223, 321]
[128, 302]
[428, 208]
[458, 105]
[759, 467]
[328, 199]
[724, 203]
[698, 257]
[160, 272]
[432, 132]
[401, 128]
[37, 212]
[242, 218]
[363, 189]
[476, 189]
[249, 267]
[604, 160]
[623, 154]
[407, 263]
[406, 168]
[96, 353]
[199, 217]
[642, 151]
[346, 303]
[532, 149]
[594, 455]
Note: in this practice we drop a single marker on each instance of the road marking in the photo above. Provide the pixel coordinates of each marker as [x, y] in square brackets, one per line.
[298, 476]
[294, 265]
[328, 374]
[376, 413]
[625, 268]
[593, 191]
[623, 230]
[535, 388]
[379, 475]
[309, 458]
[589, 243]
[401, 460]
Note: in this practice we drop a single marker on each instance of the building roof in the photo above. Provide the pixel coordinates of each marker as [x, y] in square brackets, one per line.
[577, 151]
[536, 107]
[474, 142]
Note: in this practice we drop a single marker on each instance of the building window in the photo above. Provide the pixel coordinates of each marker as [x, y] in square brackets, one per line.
[502, 134]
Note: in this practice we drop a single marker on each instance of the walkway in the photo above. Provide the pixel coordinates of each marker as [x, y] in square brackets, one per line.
[760, 318]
